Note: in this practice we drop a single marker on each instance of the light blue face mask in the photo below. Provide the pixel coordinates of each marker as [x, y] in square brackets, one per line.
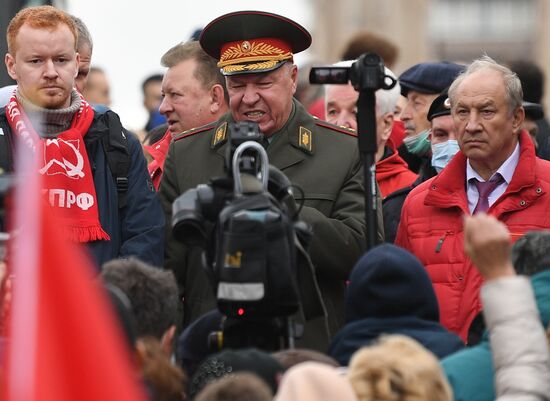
[442, 153]
[418, 144]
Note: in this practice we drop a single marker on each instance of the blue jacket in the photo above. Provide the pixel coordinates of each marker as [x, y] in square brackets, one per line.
[136, 229]
[470, 372]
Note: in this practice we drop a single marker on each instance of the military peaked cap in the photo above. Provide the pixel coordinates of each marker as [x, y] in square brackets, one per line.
[253, 41]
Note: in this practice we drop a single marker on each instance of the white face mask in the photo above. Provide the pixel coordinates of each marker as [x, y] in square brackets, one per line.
[442, 153]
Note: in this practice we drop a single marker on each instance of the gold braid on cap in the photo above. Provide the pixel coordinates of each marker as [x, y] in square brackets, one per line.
[250, 67]
[247, 52]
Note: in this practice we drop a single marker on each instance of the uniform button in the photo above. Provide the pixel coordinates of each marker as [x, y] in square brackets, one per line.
[539, 190]
[522, 203]
[434, 187]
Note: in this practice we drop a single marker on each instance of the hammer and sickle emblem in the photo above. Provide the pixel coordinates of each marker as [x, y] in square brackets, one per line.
[65, 166]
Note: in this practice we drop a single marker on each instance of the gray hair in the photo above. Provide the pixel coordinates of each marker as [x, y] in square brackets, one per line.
[386, 100]
[84, 36]
[531, 253]
[512, 84]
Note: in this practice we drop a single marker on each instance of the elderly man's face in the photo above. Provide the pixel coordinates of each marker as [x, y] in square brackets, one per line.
[341, 110]
[341, 105]
[487, 130]
[265, 98]
[44, 65]
[414, 114]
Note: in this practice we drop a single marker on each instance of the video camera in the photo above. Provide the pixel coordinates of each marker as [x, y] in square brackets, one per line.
[364, 74]
[246, 224]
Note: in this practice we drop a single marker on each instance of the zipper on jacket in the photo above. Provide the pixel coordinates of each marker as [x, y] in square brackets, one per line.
[440, 242]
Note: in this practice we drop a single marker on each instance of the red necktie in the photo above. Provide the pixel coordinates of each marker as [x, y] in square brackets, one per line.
[485, 189]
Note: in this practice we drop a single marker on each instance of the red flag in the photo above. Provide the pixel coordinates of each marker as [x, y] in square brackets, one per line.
[64, 341]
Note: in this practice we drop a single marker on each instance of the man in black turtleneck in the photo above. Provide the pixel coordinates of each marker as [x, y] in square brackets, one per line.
[49, 117]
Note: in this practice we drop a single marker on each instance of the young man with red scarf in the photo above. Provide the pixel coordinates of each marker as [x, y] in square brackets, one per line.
[49, 117]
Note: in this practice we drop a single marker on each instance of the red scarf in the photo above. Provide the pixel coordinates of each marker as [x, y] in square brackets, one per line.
[67, 179]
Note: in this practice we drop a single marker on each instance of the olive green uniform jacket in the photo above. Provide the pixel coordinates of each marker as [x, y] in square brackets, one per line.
[320, 158]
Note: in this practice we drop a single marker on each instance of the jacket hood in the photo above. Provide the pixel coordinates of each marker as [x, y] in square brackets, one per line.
[389, 281]
[361, 333]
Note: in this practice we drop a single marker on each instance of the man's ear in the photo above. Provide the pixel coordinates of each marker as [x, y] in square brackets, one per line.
[518, 117]
[10, 66]
[294, 77]
[217, 98]
[387, 120]
[167, 340]
[77, 64]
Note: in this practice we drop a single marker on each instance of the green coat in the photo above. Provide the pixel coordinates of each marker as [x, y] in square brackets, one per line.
[322, 159]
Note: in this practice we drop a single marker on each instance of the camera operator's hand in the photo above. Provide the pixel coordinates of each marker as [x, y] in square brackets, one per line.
[487, 243]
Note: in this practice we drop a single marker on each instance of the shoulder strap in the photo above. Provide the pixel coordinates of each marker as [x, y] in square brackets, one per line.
[115, 146]
[6, 148]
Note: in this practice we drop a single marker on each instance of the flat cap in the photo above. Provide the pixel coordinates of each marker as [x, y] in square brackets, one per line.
[441, 106]
[253, 41]
[429, 78]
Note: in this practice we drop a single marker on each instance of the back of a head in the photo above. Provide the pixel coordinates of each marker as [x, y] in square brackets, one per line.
[398, 368]
[230, 361]
[370, 42]
[241, 386]
[84, 35]
[532, 79]
[292, 357]
[314, 381]
[388, 282]
[531, 253]
[153, 293]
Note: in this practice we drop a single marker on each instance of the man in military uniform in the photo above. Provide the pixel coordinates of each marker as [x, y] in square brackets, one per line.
[255, 52]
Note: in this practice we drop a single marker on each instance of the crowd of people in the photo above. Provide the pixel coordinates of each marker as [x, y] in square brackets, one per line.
[452, 302]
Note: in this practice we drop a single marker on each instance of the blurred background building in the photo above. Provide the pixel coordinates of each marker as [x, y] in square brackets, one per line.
[129, 37]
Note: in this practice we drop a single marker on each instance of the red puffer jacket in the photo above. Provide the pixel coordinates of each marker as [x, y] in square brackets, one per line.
[431, 228]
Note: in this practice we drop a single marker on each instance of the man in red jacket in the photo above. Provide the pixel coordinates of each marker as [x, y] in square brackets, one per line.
[495, 171]
[392, 172]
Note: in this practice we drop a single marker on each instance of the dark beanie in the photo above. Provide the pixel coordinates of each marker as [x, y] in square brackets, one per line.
[192, 346]
[389, 281]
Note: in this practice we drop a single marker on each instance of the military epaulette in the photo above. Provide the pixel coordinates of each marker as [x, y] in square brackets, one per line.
[220, 136]
[193, 131]
[343, 130]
